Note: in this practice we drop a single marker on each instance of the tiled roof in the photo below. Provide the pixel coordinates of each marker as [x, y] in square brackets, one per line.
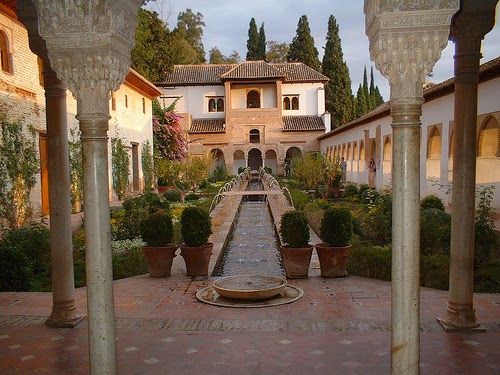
[301, 123]
[212, 74]
[208, 125]
[252, 70]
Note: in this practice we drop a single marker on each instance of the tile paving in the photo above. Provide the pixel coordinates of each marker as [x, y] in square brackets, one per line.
[340, 326]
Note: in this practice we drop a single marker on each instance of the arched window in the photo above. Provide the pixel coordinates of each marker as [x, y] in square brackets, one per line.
[295, 103]
[361, 150]
[434, 144]
[211, 105]
[387, 149]
[5, 58]
[286, 103]
[220, 105]
[253, 99]
[354, 151]
[254, 136]
[489, 139]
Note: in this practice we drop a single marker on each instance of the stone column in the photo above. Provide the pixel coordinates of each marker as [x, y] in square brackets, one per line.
[89, 48]
[64, 312]
[61, 242]
[246, 160]
[263, 160]
[468, 29]
[406, 40]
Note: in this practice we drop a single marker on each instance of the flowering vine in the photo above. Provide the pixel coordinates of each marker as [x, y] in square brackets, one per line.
[169, 141]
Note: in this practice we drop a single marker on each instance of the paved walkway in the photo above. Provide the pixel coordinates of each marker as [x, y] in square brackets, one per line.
[340, 326]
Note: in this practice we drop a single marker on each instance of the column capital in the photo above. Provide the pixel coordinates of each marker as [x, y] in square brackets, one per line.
[406, 40]
[89, 45]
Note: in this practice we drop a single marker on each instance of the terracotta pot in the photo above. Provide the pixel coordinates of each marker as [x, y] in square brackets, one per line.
[333, 260]
[162, 189]
[296, 261]
[159, 260]
[197, 259]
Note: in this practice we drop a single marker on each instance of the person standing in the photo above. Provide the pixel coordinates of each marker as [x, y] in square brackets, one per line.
[372, 169]
[343, 168]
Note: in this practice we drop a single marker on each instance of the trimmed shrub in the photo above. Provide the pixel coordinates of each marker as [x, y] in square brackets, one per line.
[370, 261]
[336, 226]
[196, 226]
[17, 273]
[351, 191]
[172, 195]
[377, 224]
[432, 201]
[294, 229]
[435, 231]
[435, 271]
[300, 199]
[157, 229]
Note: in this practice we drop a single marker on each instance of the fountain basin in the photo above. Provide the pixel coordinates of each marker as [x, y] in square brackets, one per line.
[249, 287]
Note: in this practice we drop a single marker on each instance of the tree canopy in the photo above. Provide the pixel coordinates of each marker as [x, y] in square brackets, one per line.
[216, 57]
[338, 94]
[256, 43]
[302, 48]
[276, 52]
[190, 27]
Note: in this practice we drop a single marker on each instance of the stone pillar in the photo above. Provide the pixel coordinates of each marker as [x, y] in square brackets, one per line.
[263, 160]
[246, 160]
[406, 40]
[89, 48]
[468, 29]
[64, 312]
[61, 242]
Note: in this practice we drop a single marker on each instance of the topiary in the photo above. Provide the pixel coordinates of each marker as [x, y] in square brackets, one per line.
[157, 229]
[172, 195]
[196, 226]
[435, 231]
[336, 226]
[294, 229]
[432, 201]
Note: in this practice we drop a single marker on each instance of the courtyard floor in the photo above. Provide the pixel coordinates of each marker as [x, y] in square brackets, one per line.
[339, 326]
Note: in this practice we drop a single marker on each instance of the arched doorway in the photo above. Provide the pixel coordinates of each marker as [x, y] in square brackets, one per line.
[238, 161]
[219, 164]
[293, 152]
[254, 159]
[271, 161]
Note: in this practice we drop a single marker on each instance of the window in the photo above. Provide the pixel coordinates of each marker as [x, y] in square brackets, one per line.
[113, 101]
[253, 99]
[5, 56]
[254, 136]
[434, 144]
[489, 139]
[216, 104]
[126, 101]
[291, 102]
[143, 105]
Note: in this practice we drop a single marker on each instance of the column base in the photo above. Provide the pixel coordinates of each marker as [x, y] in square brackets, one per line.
[460, 317]
[64, 315]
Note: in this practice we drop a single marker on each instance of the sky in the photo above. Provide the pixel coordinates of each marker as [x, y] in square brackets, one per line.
[227, 23]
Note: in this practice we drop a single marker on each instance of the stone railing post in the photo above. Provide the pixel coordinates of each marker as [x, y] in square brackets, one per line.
[406, 40]
[89, 46]
[468, 29]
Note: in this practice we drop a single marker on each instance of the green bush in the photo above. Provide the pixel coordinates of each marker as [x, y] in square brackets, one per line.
[294, 229]
[435, 271]
[196, 226]
[219, 174]
[300, 199]
[351, 191]
[128, 259]
[17, 273]
[486, 239]
[34, 242]
[172, 195]
[432, 201]
[369, 196]
[362, 189]
[336, 226]
[156, 229]
[370, 261]
[435, 231]
[487, 277]
[376, 226]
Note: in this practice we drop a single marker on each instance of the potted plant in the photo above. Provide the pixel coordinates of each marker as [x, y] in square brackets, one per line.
[156, 230]
[336, 233]
[296, 251]
[196, 228]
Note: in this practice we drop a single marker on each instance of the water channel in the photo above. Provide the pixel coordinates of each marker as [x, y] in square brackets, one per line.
[253, 249]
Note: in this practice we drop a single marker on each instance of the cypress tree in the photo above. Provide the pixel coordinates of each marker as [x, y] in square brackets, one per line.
[366, 90]
[302, 48]
[361, 107]
[262, 43]
[338, 94]
[253, 41]
[373, 102]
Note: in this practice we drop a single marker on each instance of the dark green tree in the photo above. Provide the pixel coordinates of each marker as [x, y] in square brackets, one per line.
[253, 41]
[153, 53]
[361, 107]
[276, 52]
[216, 57]
[302, 48]
[338, 94]
[262, 43]
[190, 26]
[375, 96]
[366, 90]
